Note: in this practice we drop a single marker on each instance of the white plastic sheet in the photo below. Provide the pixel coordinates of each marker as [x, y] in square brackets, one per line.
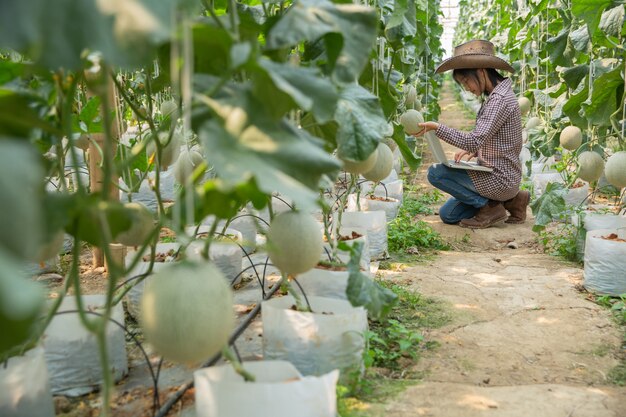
[225, 253]
[344, 256]
[72, 352]
[279, 391]
[333, 337]
[393, 189]
[324, 283]
[374, 223]
[605, 262]
[389, 206]
[24, 386]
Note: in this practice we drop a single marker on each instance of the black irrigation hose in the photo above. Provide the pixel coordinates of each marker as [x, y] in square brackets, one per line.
[165, 408]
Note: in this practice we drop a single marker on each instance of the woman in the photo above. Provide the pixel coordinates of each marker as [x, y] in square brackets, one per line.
[481, 199]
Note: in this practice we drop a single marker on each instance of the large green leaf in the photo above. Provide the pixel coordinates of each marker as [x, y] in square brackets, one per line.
[309, 20]
[361, 123]
[308, 89]
[57, 33]
[17, 117]
[590, 11]
[612, 21]
[580, 38]
[212, 47]
[549, 206]
[606, 97]
[402, 25]
[574, 75]
[407, 153]
[572, 107]
[560, 49]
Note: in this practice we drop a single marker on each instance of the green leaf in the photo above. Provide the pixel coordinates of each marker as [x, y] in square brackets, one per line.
[309, 20]
[308, 89]
[363, 291]
[92, 220]
[400, 138]
[608, 89]
[573, 106]
[21, 302]
[401, 27]
[574, 75]
[21, 187]
[207, 37]
[559, 49]
[589, 11]
[612, 21]
[549, 206]
[17, 117]
[361, 123]
[580, 38]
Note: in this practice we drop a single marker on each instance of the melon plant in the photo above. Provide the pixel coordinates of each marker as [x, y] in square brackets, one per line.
[170, 150]
[571, 138]
[590, 166]
[383, 166]
[187, 162]
[294, 242]
[615, 169]
[533, 122]
[187, 311]
[409, 120]
[359, 167]
[142, 225]
[524, 105]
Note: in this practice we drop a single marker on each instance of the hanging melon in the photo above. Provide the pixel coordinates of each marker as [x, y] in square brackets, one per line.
[294, 242]
[187, 162]
[169, 108]
[141, 227]
[533, 122]
[411, 96]
[615, 169]
[170, 150]
[187, 311]
[590, 166]
[571, 138]
[409, 120]
[383, 166]
[359, 167]
[524, 105]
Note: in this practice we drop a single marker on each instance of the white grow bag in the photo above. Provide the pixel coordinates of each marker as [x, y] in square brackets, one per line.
[394, 189]
[278, 391]
[344, 256]
[333, 337]
[72, 352]
[375, 225]
[390, 206]
[324, 283]
[605, 262]
[24, 386]
[224, 252]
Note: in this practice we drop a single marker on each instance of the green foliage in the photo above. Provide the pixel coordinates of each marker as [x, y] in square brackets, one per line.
[617, 305]
[564, 241]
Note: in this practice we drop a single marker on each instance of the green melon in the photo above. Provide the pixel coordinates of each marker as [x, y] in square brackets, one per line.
[169, 153]
[590, 166]
[142, 225]
[187, 311]
[571, 138]
[533, 122]
[615, 169]
[409, 120]
[524, 105]
[411, 96]
[187, 162]
[169, 108]
[359, 167]
[383, 166]
[294, 242]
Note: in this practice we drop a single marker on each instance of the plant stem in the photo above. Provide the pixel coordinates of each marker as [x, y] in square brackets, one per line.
[237, 366]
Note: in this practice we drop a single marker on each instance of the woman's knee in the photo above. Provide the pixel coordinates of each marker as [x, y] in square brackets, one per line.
[435, 174]
[447, 214]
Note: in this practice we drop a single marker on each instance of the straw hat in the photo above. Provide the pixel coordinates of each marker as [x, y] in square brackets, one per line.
[474, 54]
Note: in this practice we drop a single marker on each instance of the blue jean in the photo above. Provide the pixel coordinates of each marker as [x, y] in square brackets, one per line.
[465, 200]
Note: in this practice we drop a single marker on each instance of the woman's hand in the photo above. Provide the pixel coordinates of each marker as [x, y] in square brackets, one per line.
[426, 127]
[460, 154]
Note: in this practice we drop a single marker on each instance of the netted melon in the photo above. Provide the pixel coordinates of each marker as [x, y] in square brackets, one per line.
[169, 108]
[142, 225]
[170, 151]
[571, 138]
[411, 96]
[185, 165]
[615, 169]
[533, 122]
[383, 166]
[187, 311]
[294, 242]
[524, 105]
[590, 166]
[409, 120]
[359, 167]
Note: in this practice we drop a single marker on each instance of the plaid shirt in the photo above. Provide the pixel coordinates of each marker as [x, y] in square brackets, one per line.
[497, 141]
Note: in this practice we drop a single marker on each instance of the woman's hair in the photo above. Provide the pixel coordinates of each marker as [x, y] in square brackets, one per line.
[494, 76]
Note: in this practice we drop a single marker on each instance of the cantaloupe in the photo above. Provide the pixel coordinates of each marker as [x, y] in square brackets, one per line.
[169, 153]
[524, 105]
[187, 311]
[141, 227]
[383, 166]
[82, 141]
[186, 163]
[411, 96]
[590, 166]
[294, 242]
[409, 120]
[169, 108]
[615, 169]
[571, 138]
[359, 167]
[533, 122]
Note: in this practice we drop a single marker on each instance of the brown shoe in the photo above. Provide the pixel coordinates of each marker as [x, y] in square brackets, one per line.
[493, 212]
[517, 207]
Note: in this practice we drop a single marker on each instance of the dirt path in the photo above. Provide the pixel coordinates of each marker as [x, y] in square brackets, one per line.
[523, 342]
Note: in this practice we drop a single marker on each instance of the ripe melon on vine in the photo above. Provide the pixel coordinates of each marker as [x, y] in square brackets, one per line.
[524, 105]
[169, 108]
[359, 167]
[409, 120]
[170, 149]
[411, 96]
[383, 166]
[187, 162]
[294, 242]
[590, 166]
[615, 169]
[187, 311]
[571, 138]
[142, 225]
[533, 122]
